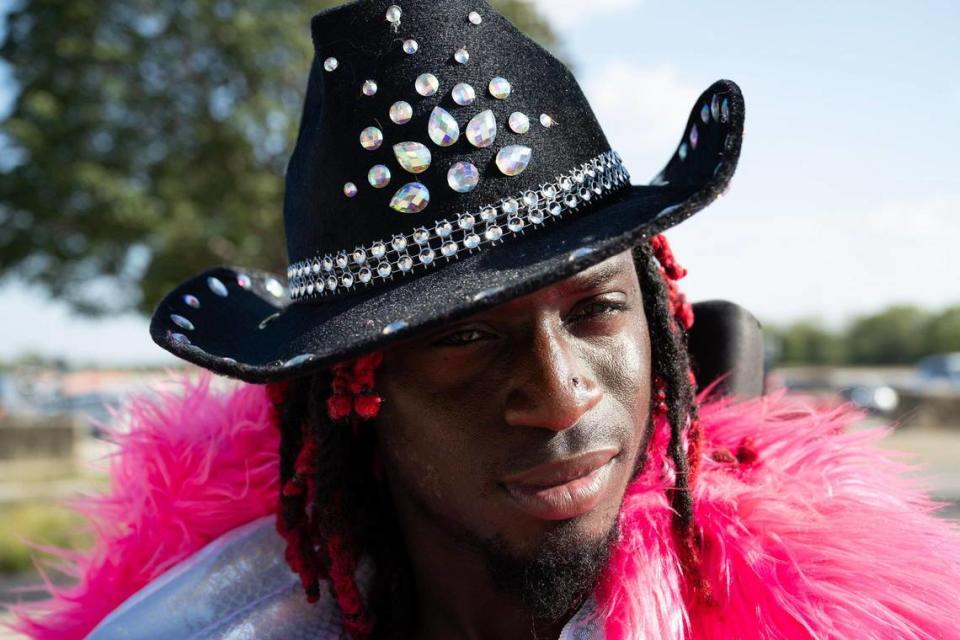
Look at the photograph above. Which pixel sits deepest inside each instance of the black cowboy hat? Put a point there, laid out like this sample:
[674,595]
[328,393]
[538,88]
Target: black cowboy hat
[445,164]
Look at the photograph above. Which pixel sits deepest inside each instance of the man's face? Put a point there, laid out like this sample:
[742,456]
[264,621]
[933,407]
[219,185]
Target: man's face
[525,421]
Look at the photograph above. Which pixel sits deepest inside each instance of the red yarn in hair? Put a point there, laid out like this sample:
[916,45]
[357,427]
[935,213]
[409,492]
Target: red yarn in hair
[671,271]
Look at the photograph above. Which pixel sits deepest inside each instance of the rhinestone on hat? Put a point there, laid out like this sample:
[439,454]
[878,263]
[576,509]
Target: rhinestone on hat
[371,138]
[379,176]
[519,122]
[410,46]
[427,85]
[500,88]
[443,128]
[217,287]
[464,95]
[463,177]
[462,56]
[413,156]
[369,88]
[393,16]
[411,198]
[547,121]
[401,112]
[514,159]
[331,64]
[350,190]
[475,18]
[482,129]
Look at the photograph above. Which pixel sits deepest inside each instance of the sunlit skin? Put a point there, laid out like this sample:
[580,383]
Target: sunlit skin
[546,377]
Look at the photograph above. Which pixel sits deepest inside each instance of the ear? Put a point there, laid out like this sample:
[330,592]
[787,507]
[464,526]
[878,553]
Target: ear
[726,344]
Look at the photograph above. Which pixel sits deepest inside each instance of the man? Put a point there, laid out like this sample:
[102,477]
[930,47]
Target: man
[481,395]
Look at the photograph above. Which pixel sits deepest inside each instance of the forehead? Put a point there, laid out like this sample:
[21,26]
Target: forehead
[618,270]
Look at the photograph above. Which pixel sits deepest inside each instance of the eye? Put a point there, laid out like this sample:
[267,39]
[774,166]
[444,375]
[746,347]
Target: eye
[461,338]
[598,309]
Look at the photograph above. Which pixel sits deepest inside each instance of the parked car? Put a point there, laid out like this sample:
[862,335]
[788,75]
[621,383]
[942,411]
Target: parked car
[940,371]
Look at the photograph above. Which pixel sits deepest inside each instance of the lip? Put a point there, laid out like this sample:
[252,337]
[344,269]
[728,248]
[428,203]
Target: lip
[563,489]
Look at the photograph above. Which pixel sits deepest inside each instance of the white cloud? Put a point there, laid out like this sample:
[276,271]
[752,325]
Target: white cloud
[642,110]
[564,13]
[829,263]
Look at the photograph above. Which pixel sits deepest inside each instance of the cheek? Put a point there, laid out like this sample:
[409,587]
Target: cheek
[427,449]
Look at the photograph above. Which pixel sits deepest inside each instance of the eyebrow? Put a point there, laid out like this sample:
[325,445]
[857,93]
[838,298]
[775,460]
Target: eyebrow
[593,278]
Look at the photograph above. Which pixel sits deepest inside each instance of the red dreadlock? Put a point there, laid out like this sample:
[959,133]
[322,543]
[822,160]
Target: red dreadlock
[352,399]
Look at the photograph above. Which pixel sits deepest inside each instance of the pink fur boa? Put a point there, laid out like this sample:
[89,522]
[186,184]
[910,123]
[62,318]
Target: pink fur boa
[820,536]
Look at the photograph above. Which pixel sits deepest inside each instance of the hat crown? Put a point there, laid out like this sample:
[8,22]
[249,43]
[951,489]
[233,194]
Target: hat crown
[418,112]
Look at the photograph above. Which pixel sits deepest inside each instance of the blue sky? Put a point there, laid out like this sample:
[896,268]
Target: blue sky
[847,198]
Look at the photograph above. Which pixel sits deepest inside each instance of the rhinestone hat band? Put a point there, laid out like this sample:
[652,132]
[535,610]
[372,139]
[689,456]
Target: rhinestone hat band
[341,273]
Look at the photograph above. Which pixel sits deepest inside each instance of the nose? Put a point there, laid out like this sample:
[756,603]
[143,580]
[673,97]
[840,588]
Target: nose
[552,387]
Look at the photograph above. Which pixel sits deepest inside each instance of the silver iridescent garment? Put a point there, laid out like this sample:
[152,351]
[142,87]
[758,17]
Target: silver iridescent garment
[239,587]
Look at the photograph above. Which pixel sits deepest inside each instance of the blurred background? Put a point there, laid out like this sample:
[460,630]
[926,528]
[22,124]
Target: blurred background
[144,141]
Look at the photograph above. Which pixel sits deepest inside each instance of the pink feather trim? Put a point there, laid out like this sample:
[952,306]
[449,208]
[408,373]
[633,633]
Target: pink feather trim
[193,465]
[821,536]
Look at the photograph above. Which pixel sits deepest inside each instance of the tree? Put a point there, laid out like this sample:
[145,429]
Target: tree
[895,336]
[149,138]
[807,342]
[942,334]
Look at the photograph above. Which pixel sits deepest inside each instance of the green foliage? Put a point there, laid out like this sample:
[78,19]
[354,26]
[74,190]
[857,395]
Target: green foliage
[150,140]
[899,335]
[807,342]
[37,524]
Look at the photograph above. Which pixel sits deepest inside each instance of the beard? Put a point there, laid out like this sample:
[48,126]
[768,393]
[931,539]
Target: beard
[557,577]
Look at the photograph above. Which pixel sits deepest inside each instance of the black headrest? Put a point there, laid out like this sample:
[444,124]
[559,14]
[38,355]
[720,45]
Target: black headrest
[726,340]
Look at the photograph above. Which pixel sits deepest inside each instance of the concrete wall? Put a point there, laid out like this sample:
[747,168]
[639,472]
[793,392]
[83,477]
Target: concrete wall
[24,438]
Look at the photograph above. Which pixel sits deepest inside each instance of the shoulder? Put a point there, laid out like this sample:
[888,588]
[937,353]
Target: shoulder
[237,584]
[810,526]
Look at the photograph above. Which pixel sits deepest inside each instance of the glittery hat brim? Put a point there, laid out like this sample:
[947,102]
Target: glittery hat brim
[256,334]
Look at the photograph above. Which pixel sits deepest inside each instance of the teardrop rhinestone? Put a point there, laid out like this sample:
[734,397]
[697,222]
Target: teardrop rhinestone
[413,156]
[393,14]
[410,46]
[331,64]
[463,177]
[475,18]
[244,281]
[371,138]
[191,301]
[725,111]
[350,190]
[514,159]
[500,88]
[462,56]
[427,85]
[482,130]
[274,288]
[715,107]
[443,128]
[181,322]
[217,287]
[401,112]
[411,198]
[705,114]
[379,176]
[519,122]
[694,137]
[369,88]
[682,151]
[464,95]
[547,121]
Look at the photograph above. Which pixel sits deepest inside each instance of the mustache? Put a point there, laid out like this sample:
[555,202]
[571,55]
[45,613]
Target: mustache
[543,445]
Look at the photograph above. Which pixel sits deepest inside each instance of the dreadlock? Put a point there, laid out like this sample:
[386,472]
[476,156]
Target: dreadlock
[334,509]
